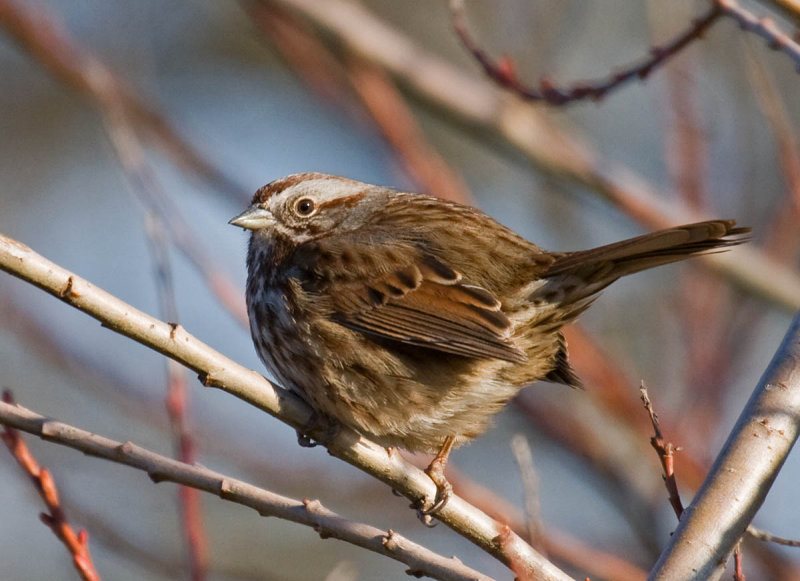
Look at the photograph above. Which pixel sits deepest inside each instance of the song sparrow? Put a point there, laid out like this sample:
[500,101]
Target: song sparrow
[413,320]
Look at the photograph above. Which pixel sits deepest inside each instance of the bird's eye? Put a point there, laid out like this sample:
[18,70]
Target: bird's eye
[305,207]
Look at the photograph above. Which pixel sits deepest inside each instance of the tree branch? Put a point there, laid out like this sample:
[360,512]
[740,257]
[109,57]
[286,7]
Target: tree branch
[76,543]
[742,475]
[502,72]
[216,370]
[308,512]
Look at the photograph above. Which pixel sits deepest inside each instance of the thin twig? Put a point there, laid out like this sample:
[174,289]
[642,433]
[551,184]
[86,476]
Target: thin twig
[503,73]
[770,538]
[307,512]
[588,442]
[530,486]
[76,543]
[666,454]
[147,190]
[738,563]
[764,27]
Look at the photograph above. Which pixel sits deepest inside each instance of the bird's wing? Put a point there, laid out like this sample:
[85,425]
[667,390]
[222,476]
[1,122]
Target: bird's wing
[419,300]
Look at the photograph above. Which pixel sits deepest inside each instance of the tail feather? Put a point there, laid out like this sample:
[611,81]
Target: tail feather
[608,263]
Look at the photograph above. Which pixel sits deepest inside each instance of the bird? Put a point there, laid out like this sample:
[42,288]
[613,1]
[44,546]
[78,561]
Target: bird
[414,320]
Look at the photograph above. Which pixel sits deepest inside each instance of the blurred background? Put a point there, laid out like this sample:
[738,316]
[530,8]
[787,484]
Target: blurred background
[131,132]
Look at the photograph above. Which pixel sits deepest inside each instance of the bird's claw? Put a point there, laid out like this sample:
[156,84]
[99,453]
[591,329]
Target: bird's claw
[423,513]
[426,509]
[306,441]
[317,423]
[444,490]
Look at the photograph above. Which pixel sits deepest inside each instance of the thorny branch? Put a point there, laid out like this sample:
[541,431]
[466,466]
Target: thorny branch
[502,72]
[666,454]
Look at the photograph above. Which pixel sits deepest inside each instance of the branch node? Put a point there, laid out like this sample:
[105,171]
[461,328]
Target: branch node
[49,429]
[226,488]
[389,542]
[157,476]
[311,505]
[125,448]
[67,292]
[207,379]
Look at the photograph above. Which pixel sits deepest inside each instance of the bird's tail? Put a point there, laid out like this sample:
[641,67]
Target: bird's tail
[573,280]
[579,275]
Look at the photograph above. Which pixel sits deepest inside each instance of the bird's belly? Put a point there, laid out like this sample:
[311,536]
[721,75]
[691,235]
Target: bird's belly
[397,395]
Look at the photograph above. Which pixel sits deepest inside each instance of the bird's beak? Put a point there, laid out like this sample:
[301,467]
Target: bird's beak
[253,218]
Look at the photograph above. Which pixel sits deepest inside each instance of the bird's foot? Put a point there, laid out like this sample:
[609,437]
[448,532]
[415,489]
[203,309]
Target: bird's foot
[444,490]
[426,509]
[325,427]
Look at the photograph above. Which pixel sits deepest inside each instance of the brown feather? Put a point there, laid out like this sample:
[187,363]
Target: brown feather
[427,305]
[649,250]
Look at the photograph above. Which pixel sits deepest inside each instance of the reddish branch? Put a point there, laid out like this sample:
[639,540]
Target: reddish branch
[189,498]
[77,543]
[738,569]
[666,453]
[502,71]
[783,234]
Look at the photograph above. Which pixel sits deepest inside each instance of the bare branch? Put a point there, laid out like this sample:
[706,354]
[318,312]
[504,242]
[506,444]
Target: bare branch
[503,73]
[530,486]
[307,512]
[742,474]
[738,560]
[666,454]
[216,370]
[764,27]
[770,538]
[76,543]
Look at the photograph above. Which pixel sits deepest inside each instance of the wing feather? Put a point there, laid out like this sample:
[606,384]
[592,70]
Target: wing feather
[420,300]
